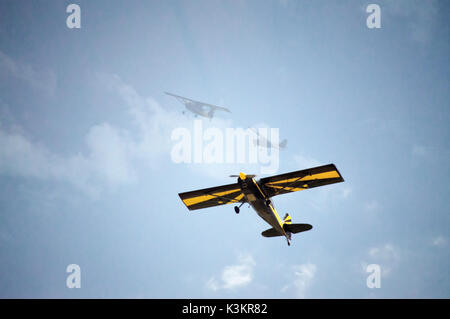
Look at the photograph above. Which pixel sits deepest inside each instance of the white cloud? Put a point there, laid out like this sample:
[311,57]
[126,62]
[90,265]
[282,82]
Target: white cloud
[439,241]
[111,151]
[371,206]
[105,162]
[234,276]
[43,80]
[328,196]
[213,284]
[154,123]
[387,256]
[345,192]
[385,252]
[302,278]
[371,212]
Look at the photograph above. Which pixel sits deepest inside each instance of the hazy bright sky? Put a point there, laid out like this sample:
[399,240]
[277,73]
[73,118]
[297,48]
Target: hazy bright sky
[86,175]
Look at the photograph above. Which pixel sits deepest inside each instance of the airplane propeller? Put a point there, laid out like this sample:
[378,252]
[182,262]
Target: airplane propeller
[244,176]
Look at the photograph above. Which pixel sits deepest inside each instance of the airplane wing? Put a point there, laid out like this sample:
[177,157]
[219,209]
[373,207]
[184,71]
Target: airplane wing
[215,107]
[185,100]
[300,180]
[213,196]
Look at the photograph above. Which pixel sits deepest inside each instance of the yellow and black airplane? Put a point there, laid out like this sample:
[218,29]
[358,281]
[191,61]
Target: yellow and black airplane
[258,194]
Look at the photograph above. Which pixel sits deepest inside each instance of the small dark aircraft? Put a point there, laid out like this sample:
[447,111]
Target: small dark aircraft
[258,194]
[260,140]
[199,108]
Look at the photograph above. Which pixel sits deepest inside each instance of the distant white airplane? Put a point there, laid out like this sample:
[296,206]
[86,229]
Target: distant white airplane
[260,140]
[199,108]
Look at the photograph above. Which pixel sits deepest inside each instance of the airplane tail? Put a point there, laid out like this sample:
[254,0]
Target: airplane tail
[288,228]
[293,228]
[287,220]
[283,143]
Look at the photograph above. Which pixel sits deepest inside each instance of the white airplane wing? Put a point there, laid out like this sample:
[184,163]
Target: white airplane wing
[185,100]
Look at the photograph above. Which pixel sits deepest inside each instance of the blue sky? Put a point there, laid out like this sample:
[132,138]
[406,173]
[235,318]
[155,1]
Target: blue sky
[86,175]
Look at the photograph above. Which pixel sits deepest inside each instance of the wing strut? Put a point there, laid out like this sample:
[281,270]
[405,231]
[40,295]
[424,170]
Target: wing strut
[288,186]
[230,200]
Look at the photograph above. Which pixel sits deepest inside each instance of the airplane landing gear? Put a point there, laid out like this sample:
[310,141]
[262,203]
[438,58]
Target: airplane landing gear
[237,208]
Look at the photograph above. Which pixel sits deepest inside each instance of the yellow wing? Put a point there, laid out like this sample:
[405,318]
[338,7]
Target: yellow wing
[300,180]
[213,196]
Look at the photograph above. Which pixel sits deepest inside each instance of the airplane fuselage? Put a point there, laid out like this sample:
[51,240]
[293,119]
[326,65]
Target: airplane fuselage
[197,109]
[261,203]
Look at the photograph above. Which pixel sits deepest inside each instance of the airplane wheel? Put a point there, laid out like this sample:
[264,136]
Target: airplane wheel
[236,209]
